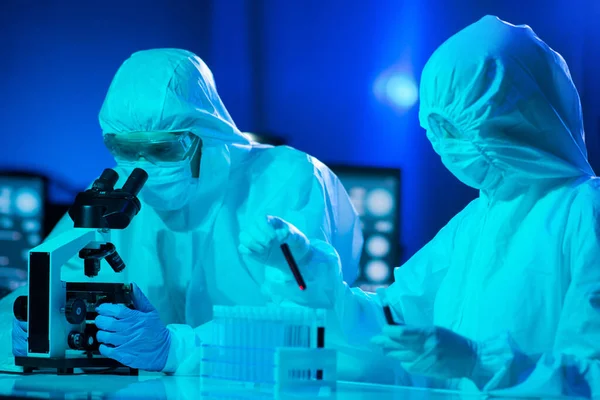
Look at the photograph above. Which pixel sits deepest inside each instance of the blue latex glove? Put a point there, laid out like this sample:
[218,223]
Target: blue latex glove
[435,352]
[136,338]
[19,338]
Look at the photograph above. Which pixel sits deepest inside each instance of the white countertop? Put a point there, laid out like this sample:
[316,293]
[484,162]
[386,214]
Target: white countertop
[156,386]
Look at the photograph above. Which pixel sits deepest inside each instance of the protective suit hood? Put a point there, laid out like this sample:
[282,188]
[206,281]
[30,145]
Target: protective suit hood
[167,90]
[172,90]
[501,109]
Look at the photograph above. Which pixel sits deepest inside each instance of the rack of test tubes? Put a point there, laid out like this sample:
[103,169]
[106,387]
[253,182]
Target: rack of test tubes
[270,347]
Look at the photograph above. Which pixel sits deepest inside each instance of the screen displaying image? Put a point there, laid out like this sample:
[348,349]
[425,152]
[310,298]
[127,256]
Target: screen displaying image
[21,226]
[375,194]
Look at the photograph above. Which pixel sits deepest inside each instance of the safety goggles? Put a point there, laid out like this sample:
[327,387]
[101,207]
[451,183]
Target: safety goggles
[167,147]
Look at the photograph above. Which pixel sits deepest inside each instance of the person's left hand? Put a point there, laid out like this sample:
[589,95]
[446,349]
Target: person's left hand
[435,352]
[135,338]
[263,239]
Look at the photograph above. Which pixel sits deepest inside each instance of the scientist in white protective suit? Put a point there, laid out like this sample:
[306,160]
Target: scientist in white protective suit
[503,299]
[208,184]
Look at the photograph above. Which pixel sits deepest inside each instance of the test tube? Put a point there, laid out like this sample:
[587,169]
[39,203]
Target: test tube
[228,359]
[248,344]
[232,351]
[220,351]
[255,352]
[285,248]
[237,345]
[266,334]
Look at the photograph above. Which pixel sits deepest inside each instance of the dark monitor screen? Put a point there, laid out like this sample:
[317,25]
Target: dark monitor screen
[375,194]
[22,199]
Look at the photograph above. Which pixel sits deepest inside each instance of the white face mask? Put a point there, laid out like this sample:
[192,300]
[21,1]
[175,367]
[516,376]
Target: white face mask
[170,186]
[461,156]
[468,164]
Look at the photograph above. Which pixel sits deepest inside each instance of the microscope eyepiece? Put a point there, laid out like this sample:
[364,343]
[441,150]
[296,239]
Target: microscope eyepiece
[135,182]
[105,207]
[106,181]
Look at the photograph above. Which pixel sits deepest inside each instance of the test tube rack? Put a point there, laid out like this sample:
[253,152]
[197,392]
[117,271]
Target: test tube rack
[271,347]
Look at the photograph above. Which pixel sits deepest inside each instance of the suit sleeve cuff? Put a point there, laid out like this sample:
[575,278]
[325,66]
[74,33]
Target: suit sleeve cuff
[183,343]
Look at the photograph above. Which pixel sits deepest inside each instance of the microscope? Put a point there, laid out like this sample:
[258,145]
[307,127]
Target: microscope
[61,333]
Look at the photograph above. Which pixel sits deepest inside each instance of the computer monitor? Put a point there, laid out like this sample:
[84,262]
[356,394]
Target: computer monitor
[22,199]
[375,194]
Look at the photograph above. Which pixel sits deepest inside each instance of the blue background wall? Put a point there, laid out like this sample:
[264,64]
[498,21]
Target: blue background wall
[303,70]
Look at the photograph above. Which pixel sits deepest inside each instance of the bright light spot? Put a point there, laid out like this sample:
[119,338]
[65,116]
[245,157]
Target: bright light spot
[31,225]
[34,240]
[397,87]
[384,226]
[377,271]
[380,202]
[402,91]
[357,192]
[357,198]
[378,246]
[28,203]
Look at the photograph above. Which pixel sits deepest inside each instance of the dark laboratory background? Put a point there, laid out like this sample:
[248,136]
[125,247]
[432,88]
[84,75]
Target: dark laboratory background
[337,79]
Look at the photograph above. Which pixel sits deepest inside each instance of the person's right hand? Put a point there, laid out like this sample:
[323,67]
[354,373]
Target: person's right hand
[19,338]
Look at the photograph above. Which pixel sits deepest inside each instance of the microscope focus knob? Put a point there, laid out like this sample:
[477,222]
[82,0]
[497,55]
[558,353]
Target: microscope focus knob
[81,341]
[75,311]
[76,341]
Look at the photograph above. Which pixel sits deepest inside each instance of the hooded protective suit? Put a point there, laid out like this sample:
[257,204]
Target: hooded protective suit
[186,261]
[516,271]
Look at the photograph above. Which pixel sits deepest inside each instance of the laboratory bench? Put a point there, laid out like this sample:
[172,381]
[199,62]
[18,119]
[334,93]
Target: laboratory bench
[156,386]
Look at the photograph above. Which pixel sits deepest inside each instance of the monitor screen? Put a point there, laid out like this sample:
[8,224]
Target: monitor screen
[22,199]
[375,194]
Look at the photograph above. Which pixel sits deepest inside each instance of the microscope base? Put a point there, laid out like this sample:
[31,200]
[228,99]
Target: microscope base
[66,366]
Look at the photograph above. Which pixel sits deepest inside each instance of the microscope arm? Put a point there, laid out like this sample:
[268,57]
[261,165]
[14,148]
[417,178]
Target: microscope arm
[46,291]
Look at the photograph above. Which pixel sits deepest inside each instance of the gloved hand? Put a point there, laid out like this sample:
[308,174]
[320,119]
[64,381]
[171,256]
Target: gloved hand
[263,239]
[434,352]
[19,338]
[135,338]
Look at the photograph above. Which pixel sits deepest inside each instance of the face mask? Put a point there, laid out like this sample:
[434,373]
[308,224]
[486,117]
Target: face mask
[169,187]
[466,162]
